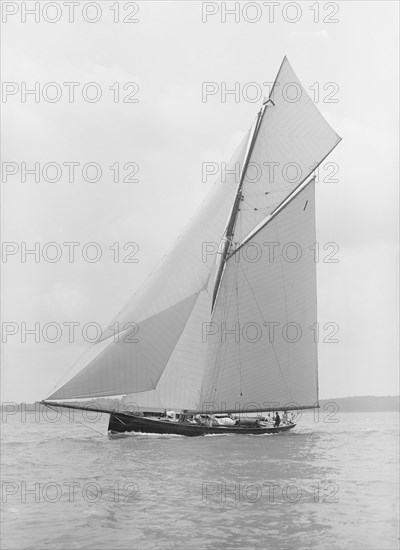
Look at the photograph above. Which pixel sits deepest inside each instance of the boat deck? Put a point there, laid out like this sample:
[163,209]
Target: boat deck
[121,423]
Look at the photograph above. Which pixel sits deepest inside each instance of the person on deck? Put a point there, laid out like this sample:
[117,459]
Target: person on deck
[284,417]
[277,420]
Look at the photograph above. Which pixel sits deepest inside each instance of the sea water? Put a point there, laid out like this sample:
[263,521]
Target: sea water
[331,483]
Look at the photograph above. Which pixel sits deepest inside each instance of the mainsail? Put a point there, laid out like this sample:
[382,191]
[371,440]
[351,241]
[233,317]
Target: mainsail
[262,348]
[216,331]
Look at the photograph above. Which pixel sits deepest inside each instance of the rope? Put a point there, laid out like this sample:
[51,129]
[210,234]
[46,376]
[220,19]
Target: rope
[240,333]
[81,423]
[262,316]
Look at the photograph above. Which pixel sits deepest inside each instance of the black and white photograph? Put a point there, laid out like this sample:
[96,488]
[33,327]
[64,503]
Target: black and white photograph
[199,275]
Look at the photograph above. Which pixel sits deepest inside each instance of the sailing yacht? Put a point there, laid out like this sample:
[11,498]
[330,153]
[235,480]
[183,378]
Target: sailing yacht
[223,325]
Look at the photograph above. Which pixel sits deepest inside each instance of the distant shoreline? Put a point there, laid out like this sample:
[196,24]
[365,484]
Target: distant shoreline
[366,403]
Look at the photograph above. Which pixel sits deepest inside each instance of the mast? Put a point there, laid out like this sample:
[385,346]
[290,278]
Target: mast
[229,232]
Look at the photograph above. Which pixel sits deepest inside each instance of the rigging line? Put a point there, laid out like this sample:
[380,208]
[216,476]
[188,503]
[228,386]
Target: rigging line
[218,360]
[286,201]
[227,349]
[183,388]
[262,316]
[212,387]
[162,403]
[251,208]
[96,431]
[237,316]
[221,366]
[77,421]
[286,307]
[230,229]
[279,189]
[242,382]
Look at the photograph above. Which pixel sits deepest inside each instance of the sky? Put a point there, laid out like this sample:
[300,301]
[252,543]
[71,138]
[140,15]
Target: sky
[153,115]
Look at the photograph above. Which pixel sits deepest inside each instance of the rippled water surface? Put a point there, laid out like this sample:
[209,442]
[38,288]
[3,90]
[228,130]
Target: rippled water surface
[326,485]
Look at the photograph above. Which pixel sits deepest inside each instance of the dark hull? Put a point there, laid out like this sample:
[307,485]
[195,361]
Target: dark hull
[123,423]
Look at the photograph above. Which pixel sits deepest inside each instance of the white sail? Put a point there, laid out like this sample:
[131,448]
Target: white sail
[185,269]
[180,383]
[135,359]
[256,345]
[161,307]
[270,282]
[292,141]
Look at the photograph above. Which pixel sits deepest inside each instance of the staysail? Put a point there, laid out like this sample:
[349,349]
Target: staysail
[180,383]
[133,354]
[230,331]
